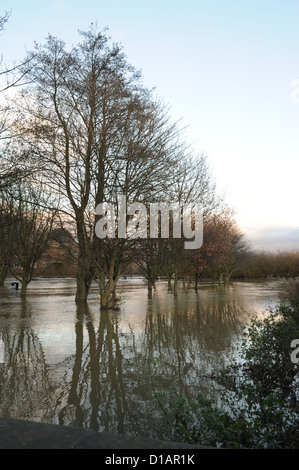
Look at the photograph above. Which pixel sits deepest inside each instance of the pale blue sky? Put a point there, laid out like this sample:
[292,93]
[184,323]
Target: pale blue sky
[226,68]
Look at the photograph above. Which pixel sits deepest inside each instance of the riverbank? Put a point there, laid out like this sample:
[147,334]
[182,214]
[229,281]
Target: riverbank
[22,434]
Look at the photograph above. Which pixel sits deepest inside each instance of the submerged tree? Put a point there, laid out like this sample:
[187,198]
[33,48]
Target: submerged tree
[191,188]
[32,216]
[96,132]
[224,249]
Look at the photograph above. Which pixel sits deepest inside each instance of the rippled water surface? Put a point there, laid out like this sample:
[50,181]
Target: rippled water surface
[71,365]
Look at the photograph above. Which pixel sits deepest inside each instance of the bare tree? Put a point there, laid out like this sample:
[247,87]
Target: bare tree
[96,132]
[190,183]
[14,74]
[11,168]
[3,20]
[224,249]
[33,215]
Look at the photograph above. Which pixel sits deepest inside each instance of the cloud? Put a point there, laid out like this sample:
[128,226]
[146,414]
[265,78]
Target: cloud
[275,238]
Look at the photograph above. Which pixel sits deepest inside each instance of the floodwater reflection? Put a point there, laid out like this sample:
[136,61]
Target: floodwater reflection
[74,365]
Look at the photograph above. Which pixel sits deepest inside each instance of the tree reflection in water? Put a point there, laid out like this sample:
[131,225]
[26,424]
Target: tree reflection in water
[95,396]
[24,381]
[114,364]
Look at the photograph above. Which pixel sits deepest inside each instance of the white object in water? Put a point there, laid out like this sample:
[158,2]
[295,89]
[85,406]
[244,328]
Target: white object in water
[14,285]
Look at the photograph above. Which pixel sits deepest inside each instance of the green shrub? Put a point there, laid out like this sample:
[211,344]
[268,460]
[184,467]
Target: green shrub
[259,391]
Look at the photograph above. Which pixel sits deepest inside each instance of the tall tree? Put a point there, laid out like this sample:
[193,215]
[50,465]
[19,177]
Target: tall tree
[97,132]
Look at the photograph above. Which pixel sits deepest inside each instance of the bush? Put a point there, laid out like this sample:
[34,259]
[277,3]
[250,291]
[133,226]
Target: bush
[259,391]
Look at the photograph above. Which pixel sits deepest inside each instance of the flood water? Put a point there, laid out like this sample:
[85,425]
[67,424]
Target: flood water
[71,365]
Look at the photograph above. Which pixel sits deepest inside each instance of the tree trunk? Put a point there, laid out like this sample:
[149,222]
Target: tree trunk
[107,290]
[83,285]
[104,300]
[3,274]
[25,283]
[108,296]
[228,274]
[84,274]
[84,279]
[175,283]
[196,279]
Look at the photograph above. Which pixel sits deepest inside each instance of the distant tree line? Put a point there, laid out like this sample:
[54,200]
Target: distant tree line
[271,264]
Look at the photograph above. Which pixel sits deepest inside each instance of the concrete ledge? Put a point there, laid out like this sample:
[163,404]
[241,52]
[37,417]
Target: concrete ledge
[21,434]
